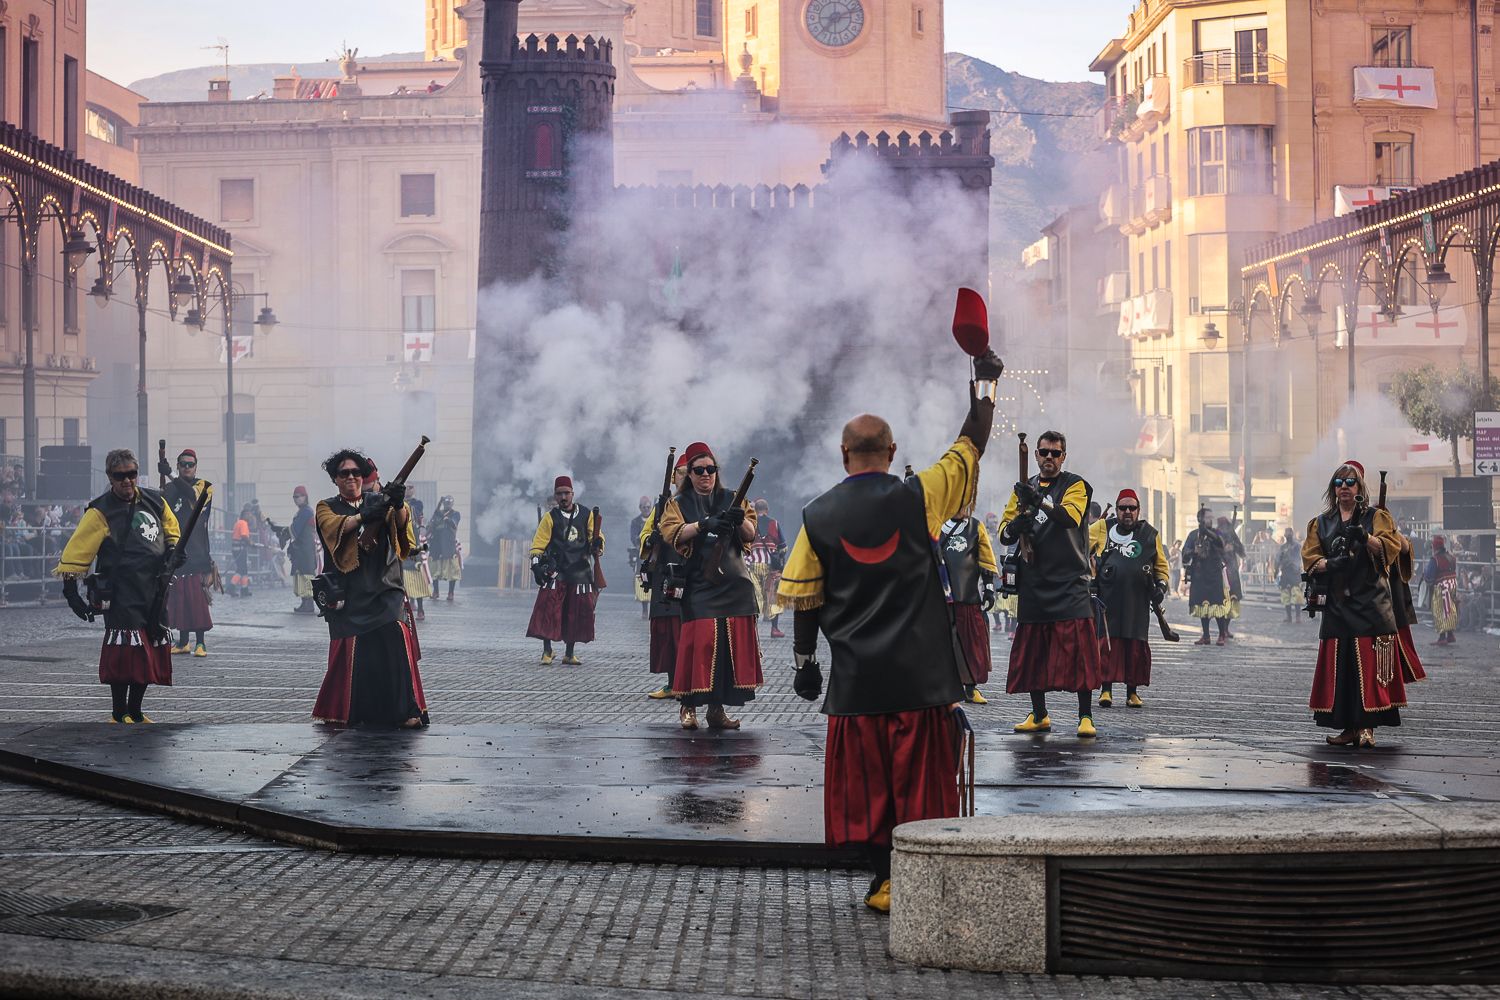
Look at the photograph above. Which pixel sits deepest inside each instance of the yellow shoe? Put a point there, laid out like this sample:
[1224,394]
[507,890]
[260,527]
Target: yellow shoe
[180,649]
[547,659]
[1105,698]
[202,650]
[1086,727]
[662,693]
[1033,726]
[880,899]
[127,719]
[976,697]
[572,661]
[1134,701]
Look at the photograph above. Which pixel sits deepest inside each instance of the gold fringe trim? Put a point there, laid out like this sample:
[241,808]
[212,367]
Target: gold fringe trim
[812,603]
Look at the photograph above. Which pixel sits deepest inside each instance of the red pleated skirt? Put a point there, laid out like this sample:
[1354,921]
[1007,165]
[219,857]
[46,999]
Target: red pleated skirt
[1054,656]
[974,639]
[187,604]
[884,770]
[1377,693]
[562,614]
[129,656]
[1126,661]
[697,648]
[664,633]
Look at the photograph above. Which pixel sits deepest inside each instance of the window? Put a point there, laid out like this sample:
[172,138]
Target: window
[1394,159]
[70,104]
[4,65]
[1155,267]
[1391,46]
[919,19]
[1211,377]
[1208,272]
[1168,380]
[1166,270]
[244,423]
[418,301]
[706,25]
[752,20]
[70,432]
[418,195]
[1231,50]
[243,317]
[31,58]
[1232,159]
[236,200]
[1140,263]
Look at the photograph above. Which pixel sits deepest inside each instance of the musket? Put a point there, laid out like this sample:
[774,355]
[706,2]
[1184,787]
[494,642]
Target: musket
[1167,632]
[599,583]
[368,539]
[539,514]
[173,563]
[713,563]
[1024,547]
[162,468]
[651,547]
[1381,503]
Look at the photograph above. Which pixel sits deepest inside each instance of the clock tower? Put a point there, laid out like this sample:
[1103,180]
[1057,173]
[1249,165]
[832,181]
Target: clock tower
[871,65]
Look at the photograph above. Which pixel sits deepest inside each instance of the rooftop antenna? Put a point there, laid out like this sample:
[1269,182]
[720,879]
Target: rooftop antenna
[223,48]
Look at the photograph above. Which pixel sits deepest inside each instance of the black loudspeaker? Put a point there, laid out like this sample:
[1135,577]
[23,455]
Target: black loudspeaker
[1468,503]
[65,472]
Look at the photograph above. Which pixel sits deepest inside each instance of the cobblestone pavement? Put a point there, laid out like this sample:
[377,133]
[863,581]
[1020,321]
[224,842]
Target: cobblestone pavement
[263,919]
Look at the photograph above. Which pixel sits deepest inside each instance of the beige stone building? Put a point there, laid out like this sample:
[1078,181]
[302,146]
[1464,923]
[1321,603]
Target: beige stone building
[1237,120]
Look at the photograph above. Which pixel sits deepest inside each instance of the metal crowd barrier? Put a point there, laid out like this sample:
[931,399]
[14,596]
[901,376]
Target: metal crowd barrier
[27,557]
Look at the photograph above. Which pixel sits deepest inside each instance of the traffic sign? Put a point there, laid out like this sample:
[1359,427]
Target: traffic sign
[1486,443]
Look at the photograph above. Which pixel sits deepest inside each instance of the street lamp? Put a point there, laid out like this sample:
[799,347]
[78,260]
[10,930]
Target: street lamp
[1210,335]
[1312,315]
[1438,283]
[76,250]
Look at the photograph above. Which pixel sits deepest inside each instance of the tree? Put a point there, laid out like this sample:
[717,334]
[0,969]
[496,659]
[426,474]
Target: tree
[1440,402]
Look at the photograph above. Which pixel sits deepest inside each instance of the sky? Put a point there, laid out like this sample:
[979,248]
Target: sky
[132,39]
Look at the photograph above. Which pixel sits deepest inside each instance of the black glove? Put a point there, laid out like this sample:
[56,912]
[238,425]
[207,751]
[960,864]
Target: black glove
[987,597]
[708,526]
[1339,564]
[1357,536]
[396,492]
[376,506]
[732,518]
[541,571]
[164,468]
[988,367]
[1158,593]
[166,561]
[597,545]
[808,680]
[75,600]
[1028,495]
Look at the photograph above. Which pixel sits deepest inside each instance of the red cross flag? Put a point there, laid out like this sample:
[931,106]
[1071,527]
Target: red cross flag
[417,346]
[1408,86]
[244,347]
[1348,199]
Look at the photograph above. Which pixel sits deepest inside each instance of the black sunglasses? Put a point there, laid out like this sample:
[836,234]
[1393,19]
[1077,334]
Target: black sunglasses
[1344,482]
[1123,508]
[705,470]
[121,477]
[1050,452]
[348,474]
[185,464]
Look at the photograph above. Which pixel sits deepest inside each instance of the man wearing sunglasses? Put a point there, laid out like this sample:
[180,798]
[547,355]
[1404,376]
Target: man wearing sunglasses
[126,535]
[1131,570]
[1056,647]
[188,600]
[561,553]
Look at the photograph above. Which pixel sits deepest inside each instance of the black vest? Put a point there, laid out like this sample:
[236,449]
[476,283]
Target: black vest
[883,613]
[961,560]
[1127,574]
[1359,598]
[181,497]
[729,596]
[1054,585]
[569,547]
[131,555]
[665,555]
[376,594]
[442,534]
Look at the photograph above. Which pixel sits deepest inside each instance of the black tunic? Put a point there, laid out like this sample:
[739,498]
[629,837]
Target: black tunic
[731,595]
[569,547]
[889,635]
[961,560]
[302,550]
[1127,575]
[130,557]
[1359,597]
[442,535]
[1053,586]
[1203,557]
[376,595]
[181,497]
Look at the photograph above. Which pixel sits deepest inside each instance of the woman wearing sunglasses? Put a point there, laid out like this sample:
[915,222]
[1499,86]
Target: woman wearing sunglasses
[1361,676]
[718,656]
[126,536]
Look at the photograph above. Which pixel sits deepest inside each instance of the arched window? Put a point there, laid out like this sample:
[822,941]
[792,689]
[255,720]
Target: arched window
[544,147]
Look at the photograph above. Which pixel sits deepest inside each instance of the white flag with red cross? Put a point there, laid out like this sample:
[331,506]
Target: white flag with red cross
[1408,86]
[244,347]
[417,346]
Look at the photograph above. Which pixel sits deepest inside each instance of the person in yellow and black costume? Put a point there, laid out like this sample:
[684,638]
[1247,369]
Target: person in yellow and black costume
[1361,676]
[1056,647]
[561,552]
[372,675]
[1131,571]
[864,571]
[718,652]
[1204,559]
[969,562]
[665,613]
[127,535]
[188,602]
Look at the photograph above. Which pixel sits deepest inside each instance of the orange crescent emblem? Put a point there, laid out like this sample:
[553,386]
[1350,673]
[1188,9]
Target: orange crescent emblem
[871,557]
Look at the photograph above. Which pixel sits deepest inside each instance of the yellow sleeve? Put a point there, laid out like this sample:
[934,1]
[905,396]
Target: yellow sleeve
[543,536]
[83,545]
[1076,502]
[1163,568]
[1011,507]
[801,587]
[340,536]
[1098,535]
[406,541]
[1390,538]
[949,485]
[671,525]
[1312,547]
[646,526]
[987,552]
[590,530]
[170,529]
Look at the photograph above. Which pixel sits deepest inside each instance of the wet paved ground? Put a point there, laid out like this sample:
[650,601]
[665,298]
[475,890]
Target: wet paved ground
[93,885]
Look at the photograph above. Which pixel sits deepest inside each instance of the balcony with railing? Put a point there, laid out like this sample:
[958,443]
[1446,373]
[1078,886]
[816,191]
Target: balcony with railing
[1147,106]
[1114,203]
[1157,207]
[1230,66]
[1231,88]
[1114,290]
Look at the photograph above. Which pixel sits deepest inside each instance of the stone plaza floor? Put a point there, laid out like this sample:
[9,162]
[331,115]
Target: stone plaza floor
[105,899]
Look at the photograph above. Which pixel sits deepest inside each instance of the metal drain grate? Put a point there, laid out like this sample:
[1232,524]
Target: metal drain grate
[80,919]
[1415,917]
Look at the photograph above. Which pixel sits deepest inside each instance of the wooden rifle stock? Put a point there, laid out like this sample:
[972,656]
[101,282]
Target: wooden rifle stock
[599,583]
[714,563]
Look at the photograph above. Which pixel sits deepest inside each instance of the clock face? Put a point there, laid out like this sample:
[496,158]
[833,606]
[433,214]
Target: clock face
[835,23]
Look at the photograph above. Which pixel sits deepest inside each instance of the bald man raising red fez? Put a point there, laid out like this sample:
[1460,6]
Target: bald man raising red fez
[1131,571]
[718,654]
[560,553]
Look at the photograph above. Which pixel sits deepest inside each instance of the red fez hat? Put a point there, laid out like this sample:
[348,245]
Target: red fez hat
[971,323]
[1437,541]
[1126,494]
[695,451]
[374,474]
[190,453]
[300,491]
[1356,467]
[682,462]
[562,483]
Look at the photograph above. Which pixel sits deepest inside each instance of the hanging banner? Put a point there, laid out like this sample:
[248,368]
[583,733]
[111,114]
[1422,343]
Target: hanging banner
[417,346]
[1417,326]
[1348,199]
[1408,86]
[244,347]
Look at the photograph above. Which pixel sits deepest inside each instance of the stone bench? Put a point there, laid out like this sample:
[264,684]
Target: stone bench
[1368,893]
